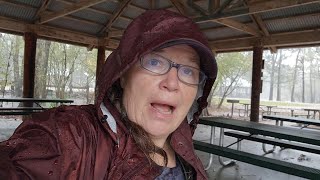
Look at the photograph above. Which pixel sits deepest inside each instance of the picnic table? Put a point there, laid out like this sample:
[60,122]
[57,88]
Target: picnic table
[25,110]
[232,101]
[292,119]
[269,108]
[246,109]
[314,112]
[279,132]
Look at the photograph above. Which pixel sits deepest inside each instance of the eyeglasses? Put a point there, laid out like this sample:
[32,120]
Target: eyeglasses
[160,65]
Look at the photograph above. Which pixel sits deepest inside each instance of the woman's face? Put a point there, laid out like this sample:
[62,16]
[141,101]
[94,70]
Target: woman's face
[159,103]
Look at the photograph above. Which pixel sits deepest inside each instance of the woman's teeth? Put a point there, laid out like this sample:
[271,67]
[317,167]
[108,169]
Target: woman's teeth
[162,108]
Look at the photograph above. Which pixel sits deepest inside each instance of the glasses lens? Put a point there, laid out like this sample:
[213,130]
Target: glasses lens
[190,75]
[155,63]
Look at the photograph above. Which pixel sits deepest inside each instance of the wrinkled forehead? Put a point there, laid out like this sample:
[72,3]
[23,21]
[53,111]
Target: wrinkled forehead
[180,50]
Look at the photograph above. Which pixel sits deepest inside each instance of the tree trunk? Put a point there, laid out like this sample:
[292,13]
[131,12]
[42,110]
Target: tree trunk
[294,77]
[311,83]
[47,45]
[16,70]
[303,81]
[274,58]
[279,77]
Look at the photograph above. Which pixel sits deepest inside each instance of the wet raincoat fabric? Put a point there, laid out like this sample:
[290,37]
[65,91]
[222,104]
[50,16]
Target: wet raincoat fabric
[91,141]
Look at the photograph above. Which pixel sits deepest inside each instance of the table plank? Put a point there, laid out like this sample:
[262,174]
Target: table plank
[299,135]
[293,119]
[35,100]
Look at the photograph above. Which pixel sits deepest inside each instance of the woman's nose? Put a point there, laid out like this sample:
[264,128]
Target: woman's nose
[171,80]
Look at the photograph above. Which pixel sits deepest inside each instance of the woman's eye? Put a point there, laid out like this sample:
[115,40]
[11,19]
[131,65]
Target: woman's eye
[188,71]
[154,62]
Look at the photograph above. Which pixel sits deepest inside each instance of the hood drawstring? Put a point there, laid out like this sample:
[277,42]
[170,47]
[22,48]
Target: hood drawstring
[107,117]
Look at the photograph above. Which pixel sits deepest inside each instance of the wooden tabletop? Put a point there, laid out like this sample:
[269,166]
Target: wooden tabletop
[35,100]
[293,119]
[289,133]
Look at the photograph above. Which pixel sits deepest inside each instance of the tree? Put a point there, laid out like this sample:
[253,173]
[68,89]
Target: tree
[281,57]
[42,59]
[274,59]
[17,63]
[232,68]
[295,76]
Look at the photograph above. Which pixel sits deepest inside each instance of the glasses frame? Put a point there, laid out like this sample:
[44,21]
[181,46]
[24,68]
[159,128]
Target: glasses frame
[177,66]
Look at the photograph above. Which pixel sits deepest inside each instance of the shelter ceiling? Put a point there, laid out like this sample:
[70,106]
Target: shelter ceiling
[230,25]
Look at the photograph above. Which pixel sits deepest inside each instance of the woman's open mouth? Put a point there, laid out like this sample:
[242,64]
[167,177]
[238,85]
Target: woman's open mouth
[163,108]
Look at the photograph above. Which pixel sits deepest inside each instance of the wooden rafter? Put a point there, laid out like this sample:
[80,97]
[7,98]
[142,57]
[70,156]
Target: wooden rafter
[268,21]
[69,17]
[283,39]
[259,22]
[97,10]
[179,6]
[116,14]
[152,4]
[239,26]
[213,5]
[223,6]
[257,19]
[42,8]
[276,4]
[197,8]
[257,7]
[47,32]
[116,33]
[76,7]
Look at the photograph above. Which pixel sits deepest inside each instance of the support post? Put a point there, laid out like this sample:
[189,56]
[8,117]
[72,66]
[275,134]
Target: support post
[100,60]
[256,83]
[30,47]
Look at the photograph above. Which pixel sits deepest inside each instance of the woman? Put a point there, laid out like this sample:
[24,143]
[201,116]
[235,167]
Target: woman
[151,91]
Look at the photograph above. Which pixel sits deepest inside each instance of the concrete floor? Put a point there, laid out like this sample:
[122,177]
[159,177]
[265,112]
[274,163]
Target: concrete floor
[244,171]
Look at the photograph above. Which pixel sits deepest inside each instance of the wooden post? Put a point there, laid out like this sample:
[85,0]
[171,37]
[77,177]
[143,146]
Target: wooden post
[256,83]
[30,46]
[100,60]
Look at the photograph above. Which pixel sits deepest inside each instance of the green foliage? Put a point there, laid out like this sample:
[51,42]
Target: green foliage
[232,67]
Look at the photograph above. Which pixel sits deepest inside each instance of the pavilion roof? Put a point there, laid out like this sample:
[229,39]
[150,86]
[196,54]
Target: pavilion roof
[230,25]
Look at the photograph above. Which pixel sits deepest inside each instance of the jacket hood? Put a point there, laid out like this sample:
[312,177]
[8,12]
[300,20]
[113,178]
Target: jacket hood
[152,30]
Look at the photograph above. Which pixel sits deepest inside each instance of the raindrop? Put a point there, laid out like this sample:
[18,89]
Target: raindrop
[50,173]
[55,162]
[7,144]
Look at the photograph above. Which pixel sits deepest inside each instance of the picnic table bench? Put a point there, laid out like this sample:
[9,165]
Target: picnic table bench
[310,140]
[274,164]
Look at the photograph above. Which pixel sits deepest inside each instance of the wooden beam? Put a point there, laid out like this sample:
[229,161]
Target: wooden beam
[42,8]
[239,26]
[197,8]
[283,39]
[98,10]
[267,5]
[116,14]
[152,4]
[257,19]
[116,33]
[259,22]
[265,21]
[213,5]
[179,6]
[257,7]
[225,4]
[76,7]
[47,32]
